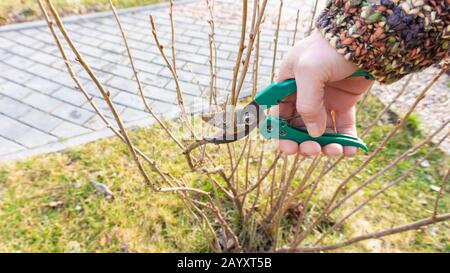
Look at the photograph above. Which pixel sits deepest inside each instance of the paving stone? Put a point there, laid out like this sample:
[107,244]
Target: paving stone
[228,47]
[12,129]
[88,40]
[225,64]
[154,80]
[16,75]
[70,95]
[4,55]
[17,61]
[63,78]
[44,58]
[9,147]
[136,38]
[4,66]
[164,109]
[42,102]
[227,39]
[104,107]
[40,120]
[29,41]
[12,108]
[197,34]
[95,123]
[74,114]
[34,138]
[14,90]
[220,53]
[144,56]
[193,58]
[187,48]
[130,100]
[130,115]
[88,49]
[68,130]
[148,66]
[23,134]
[74,27]
[19,49]
[123,84]
[186,87]
[121,70]
[42,85]
[4,42]
[45,70]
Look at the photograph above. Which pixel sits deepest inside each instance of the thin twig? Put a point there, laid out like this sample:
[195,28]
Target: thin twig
[387,107]
[392,164]
[212,54]
[440,193]
[277,34]
[172,70]
[250,49]
[172,36]
[384,189]
[103,91]
[297,18]
[255,73]
[138,81]
[420,97]
[313,16]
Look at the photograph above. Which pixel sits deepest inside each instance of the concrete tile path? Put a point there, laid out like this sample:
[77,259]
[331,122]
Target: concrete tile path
[41,111]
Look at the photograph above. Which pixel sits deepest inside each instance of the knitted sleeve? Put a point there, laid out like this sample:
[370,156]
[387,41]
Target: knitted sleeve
[388,38]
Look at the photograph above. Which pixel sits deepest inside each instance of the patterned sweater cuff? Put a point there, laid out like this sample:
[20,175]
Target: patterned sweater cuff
[388,38]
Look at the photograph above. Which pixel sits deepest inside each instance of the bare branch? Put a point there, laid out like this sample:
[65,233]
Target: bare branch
[275,48]
[296,27]
[440,193]
[313,17]
[388,106]
[240,52]
[375,235]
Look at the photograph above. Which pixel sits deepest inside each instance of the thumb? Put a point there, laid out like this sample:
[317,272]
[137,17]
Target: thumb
[310,98]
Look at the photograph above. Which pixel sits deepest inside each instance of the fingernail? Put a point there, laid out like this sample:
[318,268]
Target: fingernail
[313,129]
[350,151]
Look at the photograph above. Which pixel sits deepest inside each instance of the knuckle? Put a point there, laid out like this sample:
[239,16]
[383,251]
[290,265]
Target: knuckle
[308,63]
[307,109]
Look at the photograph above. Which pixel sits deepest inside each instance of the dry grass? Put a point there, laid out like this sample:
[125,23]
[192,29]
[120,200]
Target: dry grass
[138,219]
[15,11]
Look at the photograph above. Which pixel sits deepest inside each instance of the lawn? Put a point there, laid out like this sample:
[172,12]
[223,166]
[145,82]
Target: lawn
[49,203]
[15,11]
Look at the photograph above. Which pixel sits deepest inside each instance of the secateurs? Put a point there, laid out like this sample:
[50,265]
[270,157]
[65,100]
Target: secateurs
[241,122]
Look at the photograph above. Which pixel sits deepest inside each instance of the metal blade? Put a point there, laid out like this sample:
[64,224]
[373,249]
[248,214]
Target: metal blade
[235,124]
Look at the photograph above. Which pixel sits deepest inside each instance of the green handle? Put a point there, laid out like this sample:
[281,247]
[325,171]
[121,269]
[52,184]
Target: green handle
[277,91]
[277,128]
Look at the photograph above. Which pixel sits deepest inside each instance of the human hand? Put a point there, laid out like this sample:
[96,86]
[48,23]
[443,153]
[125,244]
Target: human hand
[325,97]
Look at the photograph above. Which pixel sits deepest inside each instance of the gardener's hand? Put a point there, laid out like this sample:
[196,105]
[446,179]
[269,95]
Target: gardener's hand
[323,87]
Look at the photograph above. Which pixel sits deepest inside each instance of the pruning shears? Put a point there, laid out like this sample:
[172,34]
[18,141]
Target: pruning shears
[243,121]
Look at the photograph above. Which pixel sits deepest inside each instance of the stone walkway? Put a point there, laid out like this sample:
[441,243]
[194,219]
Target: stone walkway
[41,111]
